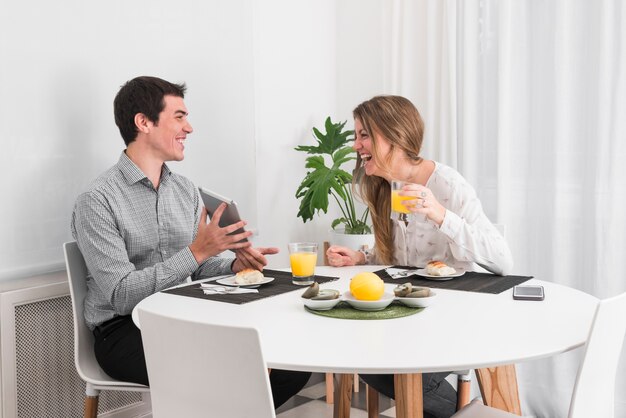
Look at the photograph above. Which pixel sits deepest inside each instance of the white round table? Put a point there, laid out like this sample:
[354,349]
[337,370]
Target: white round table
[460,330]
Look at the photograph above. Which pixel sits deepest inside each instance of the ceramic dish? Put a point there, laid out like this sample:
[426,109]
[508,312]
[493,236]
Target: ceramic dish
[321,305]
[230,281]
[422,272]
[418,302]
[369,305]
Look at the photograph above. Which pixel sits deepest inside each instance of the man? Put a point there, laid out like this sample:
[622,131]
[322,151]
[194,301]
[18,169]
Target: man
[141,229]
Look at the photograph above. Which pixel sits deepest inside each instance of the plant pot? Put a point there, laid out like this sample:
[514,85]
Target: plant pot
[352,241]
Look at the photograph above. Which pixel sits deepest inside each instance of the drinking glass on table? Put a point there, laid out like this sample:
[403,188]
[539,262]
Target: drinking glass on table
[303,257]
[398,210]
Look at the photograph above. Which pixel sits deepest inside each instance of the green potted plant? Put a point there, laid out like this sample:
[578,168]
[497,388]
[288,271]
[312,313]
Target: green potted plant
[322,180]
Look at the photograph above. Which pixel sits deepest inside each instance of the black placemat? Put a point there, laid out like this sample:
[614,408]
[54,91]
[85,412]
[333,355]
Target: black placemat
[281,284]
[471,281]
[343,310]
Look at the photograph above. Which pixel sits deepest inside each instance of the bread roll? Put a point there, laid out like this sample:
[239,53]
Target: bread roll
[439,268]
[248,276]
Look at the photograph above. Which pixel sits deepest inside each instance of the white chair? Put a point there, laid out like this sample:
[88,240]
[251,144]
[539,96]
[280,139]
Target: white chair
[199,369]
[594,391]
[86,364]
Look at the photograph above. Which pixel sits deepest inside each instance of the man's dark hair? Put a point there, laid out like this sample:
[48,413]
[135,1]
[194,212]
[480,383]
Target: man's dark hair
[142,95]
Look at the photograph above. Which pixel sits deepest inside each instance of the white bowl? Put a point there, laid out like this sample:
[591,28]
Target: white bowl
[419,302]
[369,305]
[321,305]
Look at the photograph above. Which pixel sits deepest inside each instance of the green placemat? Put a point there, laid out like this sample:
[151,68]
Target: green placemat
[344,311]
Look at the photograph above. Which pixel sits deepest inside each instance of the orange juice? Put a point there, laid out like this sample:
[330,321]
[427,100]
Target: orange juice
[396,202]
[303,256]
[303,264]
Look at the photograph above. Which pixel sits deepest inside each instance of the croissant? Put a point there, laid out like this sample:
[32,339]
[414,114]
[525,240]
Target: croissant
[439,268]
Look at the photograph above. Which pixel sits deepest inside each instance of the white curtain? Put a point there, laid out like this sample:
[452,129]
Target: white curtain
[420,63]
[527,98]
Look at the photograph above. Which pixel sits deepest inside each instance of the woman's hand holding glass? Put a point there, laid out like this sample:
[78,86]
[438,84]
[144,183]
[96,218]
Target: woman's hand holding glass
[339,256]
[424,202]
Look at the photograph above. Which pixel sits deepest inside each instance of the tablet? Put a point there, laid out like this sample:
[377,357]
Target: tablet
[230,215]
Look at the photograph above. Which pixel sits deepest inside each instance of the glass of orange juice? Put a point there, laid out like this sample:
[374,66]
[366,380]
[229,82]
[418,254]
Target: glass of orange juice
[303,257]
[396,200]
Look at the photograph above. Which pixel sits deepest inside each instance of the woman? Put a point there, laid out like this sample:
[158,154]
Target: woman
[445,222]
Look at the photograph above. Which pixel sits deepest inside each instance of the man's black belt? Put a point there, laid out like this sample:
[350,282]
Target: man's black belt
[111,323]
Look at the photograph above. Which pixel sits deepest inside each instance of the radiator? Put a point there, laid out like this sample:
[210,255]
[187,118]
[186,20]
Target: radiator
[38,378]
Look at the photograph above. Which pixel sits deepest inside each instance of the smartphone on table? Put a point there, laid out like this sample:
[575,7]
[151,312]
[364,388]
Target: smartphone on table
[528,292]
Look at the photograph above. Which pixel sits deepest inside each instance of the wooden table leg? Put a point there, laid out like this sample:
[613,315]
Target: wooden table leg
[330,388]
[372,402]
[409,400]
[498,386]
[343,395]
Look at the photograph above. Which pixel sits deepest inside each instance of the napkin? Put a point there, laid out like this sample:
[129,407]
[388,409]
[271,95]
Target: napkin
[212,289]
[396,273]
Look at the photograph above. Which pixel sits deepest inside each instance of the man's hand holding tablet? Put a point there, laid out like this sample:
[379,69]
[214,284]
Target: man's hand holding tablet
[212,239]
[212,202]
[225,217]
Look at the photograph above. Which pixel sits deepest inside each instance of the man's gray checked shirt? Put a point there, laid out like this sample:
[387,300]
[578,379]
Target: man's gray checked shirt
[135,238]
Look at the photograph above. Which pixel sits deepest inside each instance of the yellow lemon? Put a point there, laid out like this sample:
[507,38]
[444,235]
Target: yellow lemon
[367,286]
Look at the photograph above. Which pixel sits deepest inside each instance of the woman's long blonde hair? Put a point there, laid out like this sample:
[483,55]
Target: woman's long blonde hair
[396,119]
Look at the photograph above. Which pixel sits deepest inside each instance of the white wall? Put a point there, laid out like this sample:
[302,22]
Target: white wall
[63,62]
[294,90]
[260,75]
[313,59]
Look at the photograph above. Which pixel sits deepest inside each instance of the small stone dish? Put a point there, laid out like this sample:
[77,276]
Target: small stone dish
[321,305]
[420,302]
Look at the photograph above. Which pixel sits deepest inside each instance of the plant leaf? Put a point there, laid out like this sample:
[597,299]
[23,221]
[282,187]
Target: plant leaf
[338,221]
[322,180]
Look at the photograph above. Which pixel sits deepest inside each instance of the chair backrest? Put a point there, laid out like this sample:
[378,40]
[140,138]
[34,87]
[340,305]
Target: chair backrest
[84,357]
[594,391]
[197,369]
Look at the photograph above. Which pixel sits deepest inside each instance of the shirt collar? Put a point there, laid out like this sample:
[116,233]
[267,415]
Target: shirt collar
[133,174]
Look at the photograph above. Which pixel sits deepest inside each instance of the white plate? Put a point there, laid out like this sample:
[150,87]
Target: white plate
[418,302]
[422,272]
[230,281]
[369,305]
[321,305]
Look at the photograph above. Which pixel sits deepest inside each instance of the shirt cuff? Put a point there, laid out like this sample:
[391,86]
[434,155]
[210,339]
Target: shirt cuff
[369,255]
[184,261]
[451,225]
[227,264]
